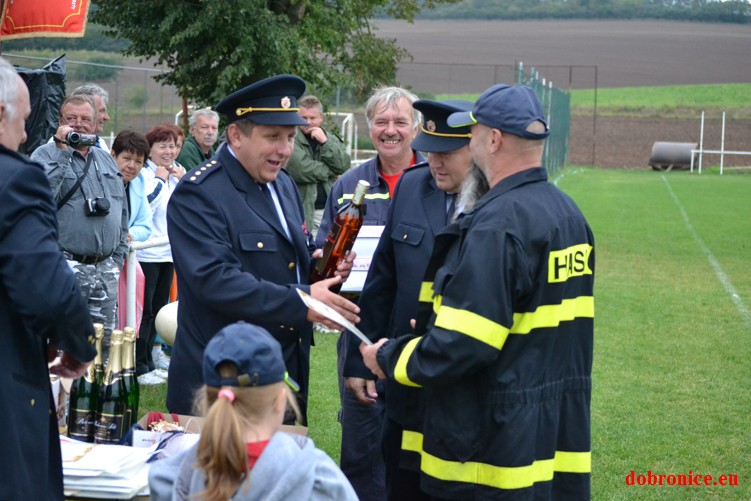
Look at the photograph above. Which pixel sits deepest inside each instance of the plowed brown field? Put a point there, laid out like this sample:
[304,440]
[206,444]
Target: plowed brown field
[469,56]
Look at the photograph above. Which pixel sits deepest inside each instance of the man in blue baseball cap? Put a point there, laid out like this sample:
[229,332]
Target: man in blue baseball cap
[240,244]
[502,348]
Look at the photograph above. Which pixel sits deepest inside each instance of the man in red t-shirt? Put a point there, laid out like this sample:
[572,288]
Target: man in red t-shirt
[393,124]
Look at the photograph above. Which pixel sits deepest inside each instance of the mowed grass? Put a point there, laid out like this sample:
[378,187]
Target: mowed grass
[671,378]
[671,100]
[663,101]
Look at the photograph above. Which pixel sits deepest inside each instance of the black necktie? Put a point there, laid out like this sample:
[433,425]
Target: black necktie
[266,193]
[452,206]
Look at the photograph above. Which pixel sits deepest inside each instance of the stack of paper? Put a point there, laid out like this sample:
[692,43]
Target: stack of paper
[103,471]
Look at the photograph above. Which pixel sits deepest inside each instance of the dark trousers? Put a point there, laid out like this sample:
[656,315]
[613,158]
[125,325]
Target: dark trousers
[297,360]
[361,459]
[401,484]
[158,281]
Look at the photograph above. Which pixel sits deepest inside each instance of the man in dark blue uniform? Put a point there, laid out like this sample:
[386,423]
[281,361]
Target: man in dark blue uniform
[503,343]
[41,311]
[392,124]
[422,205]
[239,243]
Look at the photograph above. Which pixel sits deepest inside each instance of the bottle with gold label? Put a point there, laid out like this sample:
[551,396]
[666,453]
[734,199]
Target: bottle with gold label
[99,359]
[113,399]
[84,397]
[83,406]
[129,375]
[341,236]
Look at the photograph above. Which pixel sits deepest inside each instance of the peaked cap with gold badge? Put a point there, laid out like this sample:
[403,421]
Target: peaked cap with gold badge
[435,135]
[271,101]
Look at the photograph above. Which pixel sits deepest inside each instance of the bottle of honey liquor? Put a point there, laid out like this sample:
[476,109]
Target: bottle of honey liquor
[341,236]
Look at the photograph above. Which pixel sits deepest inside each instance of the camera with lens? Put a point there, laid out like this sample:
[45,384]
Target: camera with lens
[77,139]
[96,207]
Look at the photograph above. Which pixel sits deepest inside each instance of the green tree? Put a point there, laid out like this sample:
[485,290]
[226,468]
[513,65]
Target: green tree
[213,47]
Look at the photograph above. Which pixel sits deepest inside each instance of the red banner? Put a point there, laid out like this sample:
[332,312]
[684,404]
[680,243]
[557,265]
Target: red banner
[43,18]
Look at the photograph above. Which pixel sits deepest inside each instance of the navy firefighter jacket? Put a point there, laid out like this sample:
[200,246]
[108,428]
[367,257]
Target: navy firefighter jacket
[504,349]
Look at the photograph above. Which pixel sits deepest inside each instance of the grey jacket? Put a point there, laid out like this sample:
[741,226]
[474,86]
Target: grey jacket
[290,467]
[79,234]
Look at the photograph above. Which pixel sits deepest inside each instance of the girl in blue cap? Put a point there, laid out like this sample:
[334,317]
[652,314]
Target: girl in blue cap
[241,454]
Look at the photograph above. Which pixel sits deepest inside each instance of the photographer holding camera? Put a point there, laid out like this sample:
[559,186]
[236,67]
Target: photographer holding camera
[92,210]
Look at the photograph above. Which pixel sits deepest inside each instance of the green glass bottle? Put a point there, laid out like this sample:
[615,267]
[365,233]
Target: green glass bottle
[99,359]
[129,374]
[83,405]
[113,399]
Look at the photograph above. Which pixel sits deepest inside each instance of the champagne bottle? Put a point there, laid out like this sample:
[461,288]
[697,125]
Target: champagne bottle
[341,236]
[99,359]
[129,375]
[83,405]
[113,399]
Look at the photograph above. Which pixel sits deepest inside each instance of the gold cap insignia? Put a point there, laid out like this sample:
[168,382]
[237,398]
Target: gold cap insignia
[286,102]
[430,125]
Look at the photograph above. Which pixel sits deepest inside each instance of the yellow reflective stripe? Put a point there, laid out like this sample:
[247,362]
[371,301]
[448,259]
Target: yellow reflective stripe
[495,334]
[573,462]
[400,371]
[426,292]
[551,315]
[412,441]
[368,196]
[499,477]
[472,325]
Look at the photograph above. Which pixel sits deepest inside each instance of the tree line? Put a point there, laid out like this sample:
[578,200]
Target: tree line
[733,11]
[212,47]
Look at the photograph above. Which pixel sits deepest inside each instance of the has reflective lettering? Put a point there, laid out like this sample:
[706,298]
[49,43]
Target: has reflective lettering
[570,262]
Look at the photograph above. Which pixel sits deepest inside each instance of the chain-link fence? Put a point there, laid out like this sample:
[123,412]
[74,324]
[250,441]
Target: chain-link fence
[557,106]
[430,80]
[137,101]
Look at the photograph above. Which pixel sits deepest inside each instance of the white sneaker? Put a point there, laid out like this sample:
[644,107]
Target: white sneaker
[161,361]
[150,379]
[161,373]
[325,330]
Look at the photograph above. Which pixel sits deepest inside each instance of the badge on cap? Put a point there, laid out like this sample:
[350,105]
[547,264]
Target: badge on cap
[286,102]
[430,125]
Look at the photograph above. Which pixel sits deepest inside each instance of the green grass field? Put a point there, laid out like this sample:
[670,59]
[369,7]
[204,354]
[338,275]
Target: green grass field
[672,385]
[664,101]
[672,327]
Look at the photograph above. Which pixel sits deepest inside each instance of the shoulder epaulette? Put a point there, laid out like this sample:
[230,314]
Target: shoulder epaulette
[202,171]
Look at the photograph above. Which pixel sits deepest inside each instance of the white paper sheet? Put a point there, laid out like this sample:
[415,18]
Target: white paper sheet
[332,315]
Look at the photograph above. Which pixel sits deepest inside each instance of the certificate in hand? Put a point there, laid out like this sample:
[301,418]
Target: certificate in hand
[331,314]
